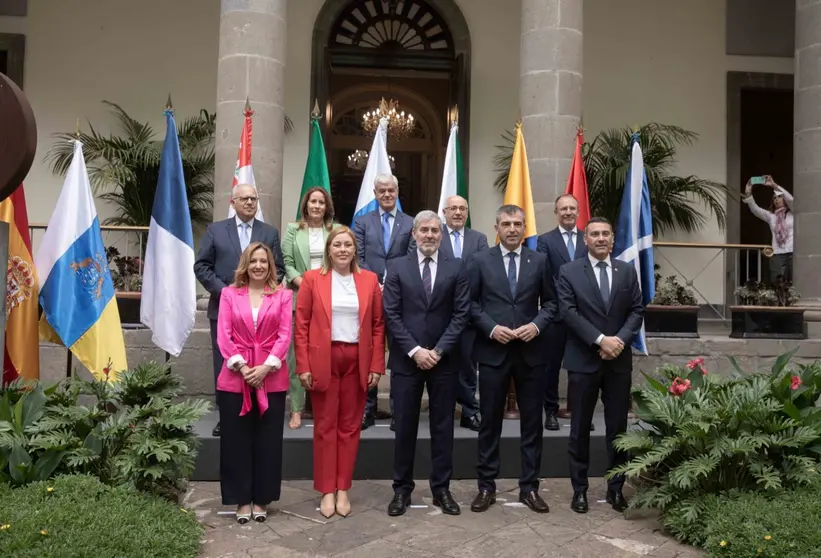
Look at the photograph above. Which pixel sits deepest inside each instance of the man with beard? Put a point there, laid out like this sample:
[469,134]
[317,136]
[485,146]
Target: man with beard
[426,304]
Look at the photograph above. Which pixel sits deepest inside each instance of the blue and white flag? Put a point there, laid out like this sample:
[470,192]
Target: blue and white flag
[634,232]
[169,295]
[378,163]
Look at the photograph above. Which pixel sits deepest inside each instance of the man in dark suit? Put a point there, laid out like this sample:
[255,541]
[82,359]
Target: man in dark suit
[512,302]
[426,306]
[600,301]
[461,242]
[561,245]
[382,236]
[219,253]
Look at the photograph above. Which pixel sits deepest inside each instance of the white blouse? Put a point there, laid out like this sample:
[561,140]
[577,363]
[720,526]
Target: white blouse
[316,243]
[344,309]
[769,218]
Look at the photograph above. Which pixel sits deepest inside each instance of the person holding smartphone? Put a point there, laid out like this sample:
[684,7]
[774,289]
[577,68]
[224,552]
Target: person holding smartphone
[781,220]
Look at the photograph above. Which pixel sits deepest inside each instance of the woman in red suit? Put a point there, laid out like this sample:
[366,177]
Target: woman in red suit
[254,333]
[339,339]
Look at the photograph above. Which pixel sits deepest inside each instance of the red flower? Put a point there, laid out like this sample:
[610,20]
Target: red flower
[679,386]
[796,381]
[697,362]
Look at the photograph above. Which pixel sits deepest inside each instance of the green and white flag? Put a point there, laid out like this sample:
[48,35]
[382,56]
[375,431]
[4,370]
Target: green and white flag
[453,177]
[316,167]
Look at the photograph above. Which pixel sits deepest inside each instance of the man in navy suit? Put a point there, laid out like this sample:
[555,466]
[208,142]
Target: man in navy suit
[512,303]
[458,241]
[426,305]
[382,236]
[600,301]
[219,253]
[561,245]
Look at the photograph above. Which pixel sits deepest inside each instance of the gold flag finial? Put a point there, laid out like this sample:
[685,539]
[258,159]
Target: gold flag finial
[247,104]
[77,129]
[315,113]
[168,104]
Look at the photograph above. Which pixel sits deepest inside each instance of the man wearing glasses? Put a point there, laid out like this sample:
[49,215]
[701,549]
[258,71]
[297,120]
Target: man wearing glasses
[458,241]
[219,253]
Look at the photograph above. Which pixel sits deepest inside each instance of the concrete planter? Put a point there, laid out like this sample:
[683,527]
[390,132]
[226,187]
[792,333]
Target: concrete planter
[768,322]
[671,321]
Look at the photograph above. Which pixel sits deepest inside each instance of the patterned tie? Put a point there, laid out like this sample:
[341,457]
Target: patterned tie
[511,273]
[604,285]
[427,282]
[457,245]
[386,231]
[570,248]
[245,239]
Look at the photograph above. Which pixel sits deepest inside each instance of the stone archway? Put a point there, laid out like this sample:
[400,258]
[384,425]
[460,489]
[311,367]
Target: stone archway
[416,51]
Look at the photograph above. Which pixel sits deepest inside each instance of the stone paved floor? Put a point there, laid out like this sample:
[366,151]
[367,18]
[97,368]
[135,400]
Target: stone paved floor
[296,530]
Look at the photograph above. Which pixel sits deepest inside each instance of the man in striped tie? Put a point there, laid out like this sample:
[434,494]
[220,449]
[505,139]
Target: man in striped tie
[426,305]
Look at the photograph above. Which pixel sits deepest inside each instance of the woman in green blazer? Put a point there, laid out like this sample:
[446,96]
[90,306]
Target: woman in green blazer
[303,246]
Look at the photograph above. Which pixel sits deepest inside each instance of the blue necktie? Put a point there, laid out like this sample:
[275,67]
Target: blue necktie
[511,273]
[570,248]
[386,231]
[426,277]
[457,245]
[245,240]
[604,284]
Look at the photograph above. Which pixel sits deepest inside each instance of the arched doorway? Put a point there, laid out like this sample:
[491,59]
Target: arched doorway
[416,52]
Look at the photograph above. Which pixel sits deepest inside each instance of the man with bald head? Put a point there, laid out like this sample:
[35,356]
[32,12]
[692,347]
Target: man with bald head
[460,242]
[219,253]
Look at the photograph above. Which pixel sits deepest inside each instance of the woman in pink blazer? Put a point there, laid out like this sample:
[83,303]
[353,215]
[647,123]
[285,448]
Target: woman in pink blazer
[254,333]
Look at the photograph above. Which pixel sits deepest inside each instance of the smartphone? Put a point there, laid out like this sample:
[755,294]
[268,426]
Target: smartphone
[758,180]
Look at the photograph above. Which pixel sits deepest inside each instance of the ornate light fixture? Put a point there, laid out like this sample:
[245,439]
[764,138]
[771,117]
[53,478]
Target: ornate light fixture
[358,160]
[400,124]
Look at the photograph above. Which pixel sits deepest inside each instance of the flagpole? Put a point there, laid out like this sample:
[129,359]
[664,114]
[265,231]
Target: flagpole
[69,356]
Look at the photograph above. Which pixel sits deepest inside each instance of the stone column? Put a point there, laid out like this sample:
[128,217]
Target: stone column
[550,96]
[251,65]
[807,158]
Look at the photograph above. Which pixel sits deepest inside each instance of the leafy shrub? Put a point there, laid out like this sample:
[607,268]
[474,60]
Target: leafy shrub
[129,431]
[78,516]
[702,435]
[781,293]
[670,293]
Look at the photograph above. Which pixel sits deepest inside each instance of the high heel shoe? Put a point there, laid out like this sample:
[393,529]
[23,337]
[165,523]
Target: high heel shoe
[260,517]
[343,509]
[243,518]
[327,512]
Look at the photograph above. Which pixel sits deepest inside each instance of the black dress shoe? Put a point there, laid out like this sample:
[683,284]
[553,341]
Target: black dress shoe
[483,501]
[533,501]
[367,422]
[616,499]
[445,501]
[399,504]
[216,431]
[393,425]
[579,503]
[551,423]
[471,423]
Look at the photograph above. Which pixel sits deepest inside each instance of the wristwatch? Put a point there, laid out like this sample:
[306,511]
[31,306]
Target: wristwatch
[438,351]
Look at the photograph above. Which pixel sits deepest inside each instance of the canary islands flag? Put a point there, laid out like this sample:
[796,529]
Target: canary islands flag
[76,293]
[518,191]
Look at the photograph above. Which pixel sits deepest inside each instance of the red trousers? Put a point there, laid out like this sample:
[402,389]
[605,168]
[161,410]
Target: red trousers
[338,421]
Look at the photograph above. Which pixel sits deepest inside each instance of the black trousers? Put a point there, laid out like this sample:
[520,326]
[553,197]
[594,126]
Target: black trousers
[556,342]
[466,371]
[216,355]
[251,450]
[493,387]
[407,385]
[584,390]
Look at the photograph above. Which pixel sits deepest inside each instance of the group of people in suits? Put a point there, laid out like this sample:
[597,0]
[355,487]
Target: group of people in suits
[447,304]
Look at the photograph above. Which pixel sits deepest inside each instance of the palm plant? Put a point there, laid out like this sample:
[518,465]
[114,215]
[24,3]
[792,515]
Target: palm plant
[125,169]
[677,200]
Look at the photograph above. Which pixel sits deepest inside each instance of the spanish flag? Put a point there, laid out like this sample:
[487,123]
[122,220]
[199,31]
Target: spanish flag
[22,354]
[518,191]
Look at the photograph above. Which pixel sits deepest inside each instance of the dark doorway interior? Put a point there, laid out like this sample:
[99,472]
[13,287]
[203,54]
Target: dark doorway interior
[4,62]
[766,148]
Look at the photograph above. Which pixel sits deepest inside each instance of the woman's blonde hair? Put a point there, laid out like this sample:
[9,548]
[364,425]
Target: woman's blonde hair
[241,278]
[326,258]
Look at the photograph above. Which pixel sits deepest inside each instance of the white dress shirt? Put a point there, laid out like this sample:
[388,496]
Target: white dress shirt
[597,272]
[518,264]
[452,239]
[433,266]
[391,221]
[574,239]
[344,309]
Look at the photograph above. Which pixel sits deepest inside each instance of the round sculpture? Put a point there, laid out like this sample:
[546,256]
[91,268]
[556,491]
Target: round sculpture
[18,136]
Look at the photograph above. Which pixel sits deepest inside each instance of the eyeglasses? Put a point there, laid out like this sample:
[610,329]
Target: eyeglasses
[247,199]
[461,208]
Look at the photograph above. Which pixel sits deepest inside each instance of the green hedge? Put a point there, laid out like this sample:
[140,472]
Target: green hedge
[78,516]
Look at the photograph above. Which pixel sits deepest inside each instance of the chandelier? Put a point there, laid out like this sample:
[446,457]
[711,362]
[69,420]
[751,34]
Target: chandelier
[400,124]
[358,160]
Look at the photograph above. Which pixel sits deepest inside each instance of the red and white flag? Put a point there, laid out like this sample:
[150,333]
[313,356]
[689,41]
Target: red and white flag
[244,173]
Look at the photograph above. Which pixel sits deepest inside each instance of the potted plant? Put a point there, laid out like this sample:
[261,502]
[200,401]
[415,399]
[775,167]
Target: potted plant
[126,274]
[767,312]
[673,312]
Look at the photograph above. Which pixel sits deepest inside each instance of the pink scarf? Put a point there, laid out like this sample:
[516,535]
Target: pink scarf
[781,226]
